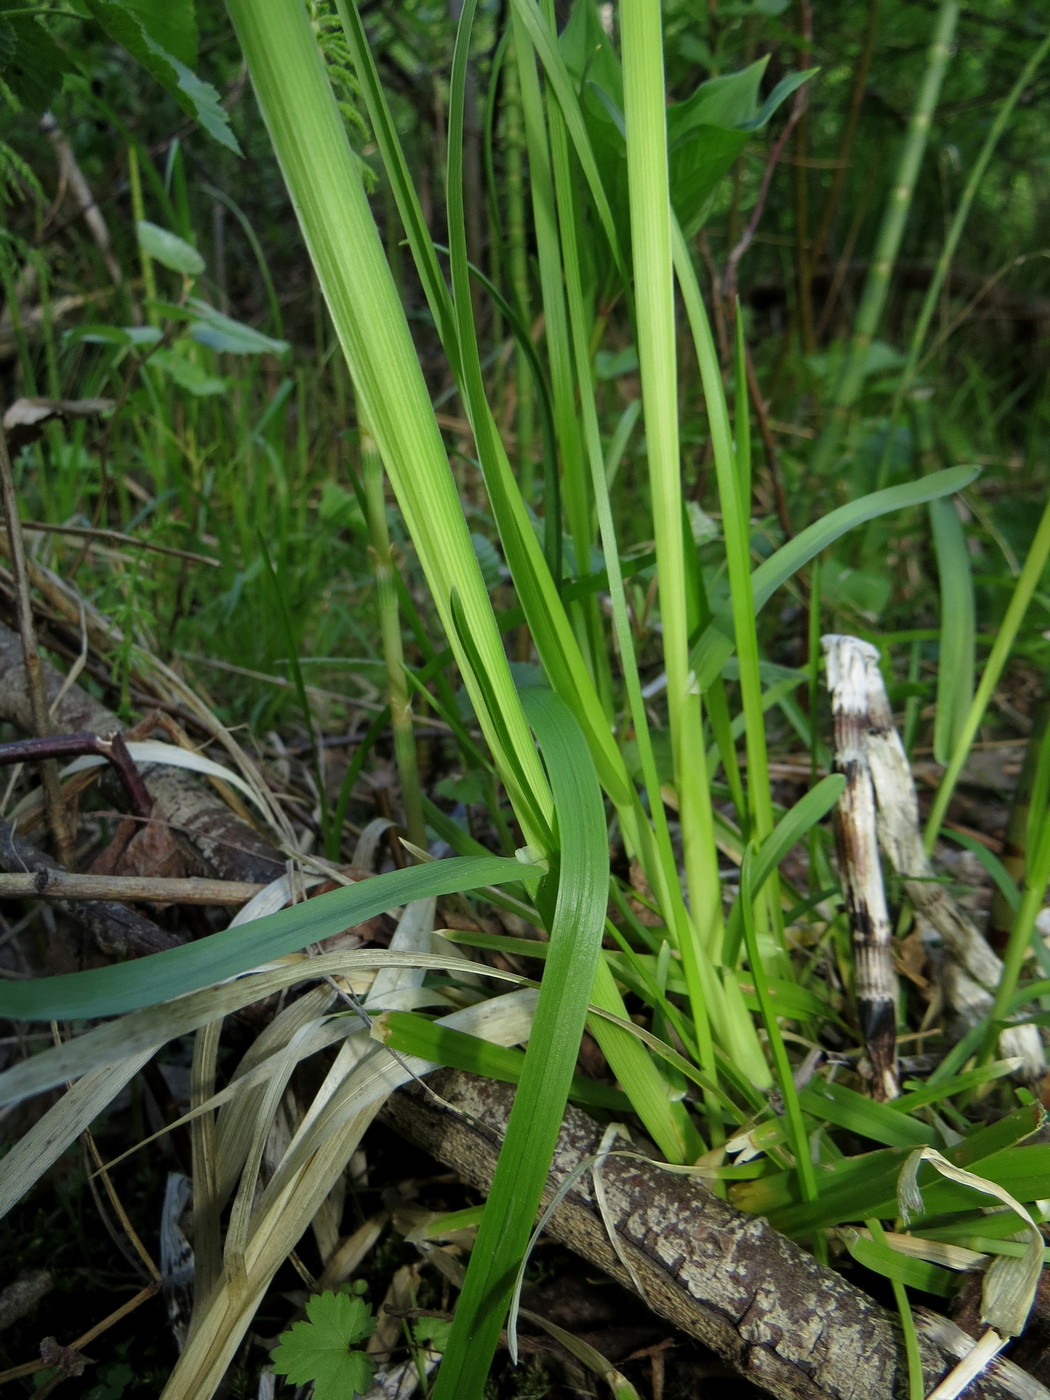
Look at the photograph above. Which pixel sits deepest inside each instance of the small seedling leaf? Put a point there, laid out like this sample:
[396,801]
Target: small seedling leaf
[320,1350]
[169,249]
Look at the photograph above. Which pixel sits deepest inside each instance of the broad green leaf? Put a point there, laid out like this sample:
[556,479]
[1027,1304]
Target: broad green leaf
[198,99]
[891,1263]
[31,63]
[319,1350]
[115,335]
[169,249]
[189,375]
[107,990]
[222,333]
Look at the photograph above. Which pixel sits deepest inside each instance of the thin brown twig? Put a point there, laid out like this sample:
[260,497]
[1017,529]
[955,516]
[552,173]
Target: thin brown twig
[131,889]
[732,262]
[57,813]
[32,1367]
[113,748]
[119,538]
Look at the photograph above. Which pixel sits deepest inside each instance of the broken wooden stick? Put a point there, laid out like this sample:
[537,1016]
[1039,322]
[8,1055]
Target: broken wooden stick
[975,970]
[851,664]
[770,1310]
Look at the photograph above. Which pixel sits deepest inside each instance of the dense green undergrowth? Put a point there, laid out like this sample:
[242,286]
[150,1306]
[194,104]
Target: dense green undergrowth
[674,352]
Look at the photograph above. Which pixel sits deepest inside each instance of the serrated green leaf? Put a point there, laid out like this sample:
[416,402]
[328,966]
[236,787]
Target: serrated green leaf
[320,1350]
[171,24]
[196,97]
[202,101]
[32,64]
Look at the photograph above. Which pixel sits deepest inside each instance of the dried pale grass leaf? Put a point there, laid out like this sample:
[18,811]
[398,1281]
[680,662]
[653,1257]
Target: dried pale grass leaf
[61,1125]
[286,1207]
[155,1025]
[948,1256]
[1011,1282]
[171,755]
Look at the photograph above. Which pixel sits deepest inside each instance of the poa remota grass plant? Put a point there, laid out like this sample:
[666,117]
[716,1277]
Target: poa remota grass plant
[616,196]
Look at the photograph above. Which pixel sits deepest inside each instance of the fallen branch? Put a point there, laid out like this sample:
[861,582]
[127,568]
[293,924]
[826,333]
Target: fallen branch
[117,931]
[221,843]
[788,1324]
[49,883]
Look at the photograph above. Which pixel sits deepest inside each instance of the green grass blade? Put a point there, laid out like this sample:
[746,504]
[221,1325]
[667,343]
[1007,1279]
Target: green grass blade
[412,1034]
[325,184]
[716,645]
[957,661]
[796,1128]
[791,828]
[1005,637]
[576,934]
[892,1264]
[395,165]
[105,991]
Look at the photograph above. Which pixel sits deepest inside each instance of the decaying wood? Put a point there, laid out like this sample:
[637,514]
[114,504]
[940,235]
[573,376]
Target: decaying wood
[974,971]
[215,840]
[790,1325]
[116,930]
[850,664]
[50,883]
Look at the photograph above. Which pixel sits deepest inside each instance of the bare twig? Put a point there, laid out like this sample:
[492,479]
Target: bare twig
[117,537]
[732,262]
[117,931]
[32,1367]
[112,748]
[72,175]
[57,812]
[44,883]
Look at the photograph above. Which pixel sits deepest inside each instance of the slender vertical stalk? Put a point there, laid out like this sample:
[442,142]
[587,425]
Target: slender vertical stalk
[876,288]
[544,133]
[393,651]
[844,153]
[1005,637]
[800,144]
[951,242]
[149,285]
[518,266]
[647,173]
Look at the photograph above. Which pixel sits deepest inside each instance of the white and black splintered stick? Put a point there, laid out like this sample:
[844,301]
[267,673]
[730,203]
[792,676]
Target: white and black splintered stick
[973,970]
[853,669]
